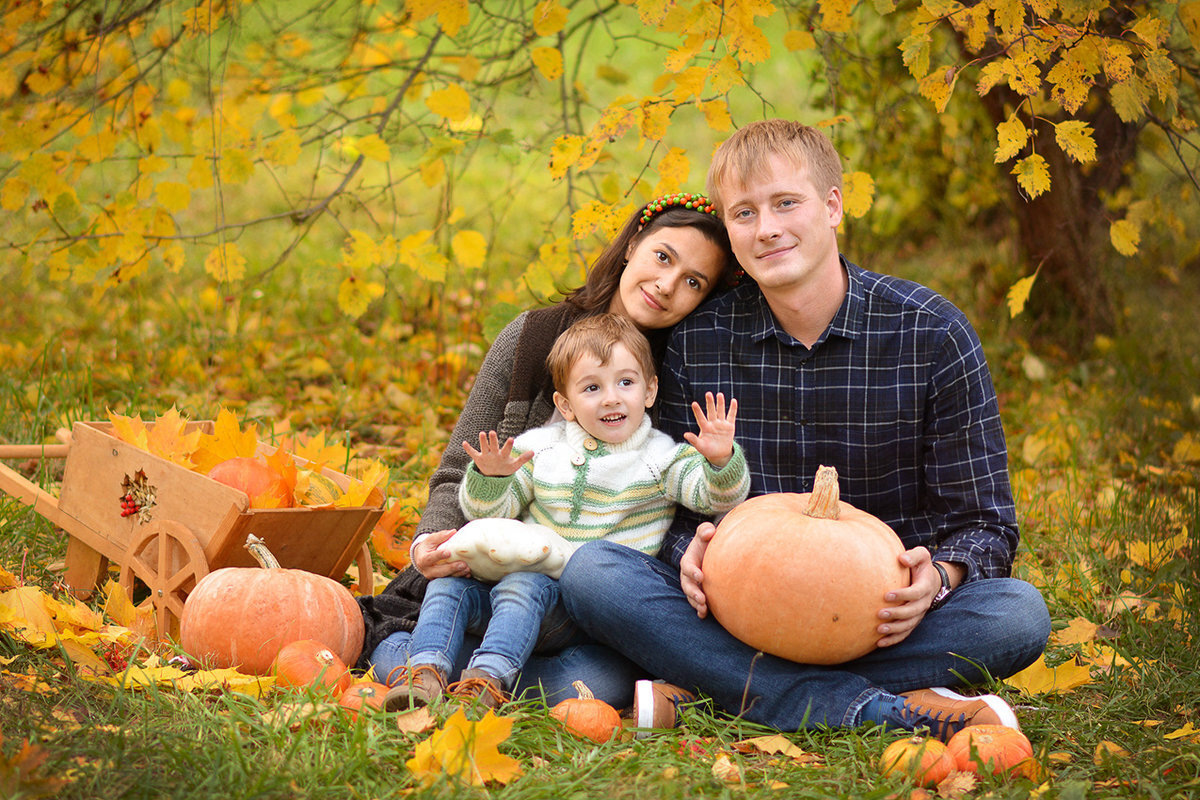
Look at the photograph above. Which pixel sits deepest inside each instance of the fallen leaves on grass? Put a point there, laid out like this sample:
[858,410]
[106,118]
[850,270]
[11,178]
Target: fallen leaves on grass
[1040,678]
[20,774]
[466,751]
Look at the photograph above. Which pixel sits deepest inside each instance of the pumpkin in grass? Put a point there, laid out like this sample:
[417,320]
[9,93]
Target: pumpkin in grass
[263,484]
[309,664]
[989,748]
[367,695]
[587,716]
[803,576]
[924,760]
[242,616]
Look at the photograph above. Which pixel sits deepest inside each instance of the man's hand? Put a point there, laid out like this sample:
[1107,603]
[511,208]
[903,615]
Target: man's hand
[691,577]
[715,441]
[909,605]
[432,561]
[494,459]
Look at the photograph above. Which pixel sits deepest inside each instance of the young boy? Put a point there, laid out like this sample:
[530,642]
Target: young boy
[602,472]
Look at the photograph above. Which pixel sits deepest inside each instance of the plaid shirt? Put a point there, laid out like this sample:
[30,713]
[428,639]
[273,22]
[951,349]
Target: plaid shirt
[896,394]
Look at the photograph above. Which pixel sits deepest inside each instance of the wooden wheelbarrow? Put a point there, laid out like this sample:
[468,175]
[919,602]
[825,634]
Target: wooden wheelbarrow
[186,524]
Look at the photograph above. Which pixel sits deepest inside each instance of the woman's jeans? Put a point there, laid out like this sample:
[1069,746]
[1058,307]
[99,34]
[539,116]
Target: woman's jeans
[990,628]
[465,623]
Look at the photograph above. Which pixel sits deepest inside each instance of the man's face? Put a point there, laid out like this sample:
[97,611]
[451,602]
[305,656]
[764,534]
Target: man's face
[783,230]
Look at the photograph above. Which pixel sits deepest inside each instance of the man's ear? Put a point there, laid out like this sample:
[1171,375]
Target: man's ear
[564,407]
[651,391]
[834,207]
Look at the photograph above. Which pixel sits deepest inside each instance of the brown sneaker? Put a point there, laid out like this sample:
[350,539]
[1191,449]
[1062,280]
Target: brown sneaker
[945,713]
[656,705]
[478,688]
[415,686]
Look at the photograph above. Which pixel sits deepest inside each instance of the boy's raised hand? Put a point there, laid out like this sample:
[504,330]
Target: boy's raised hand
[715,441]
[493,459]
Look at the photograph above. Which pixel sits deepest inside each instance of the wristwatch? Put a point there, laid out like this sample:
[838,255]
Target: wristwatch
[943,592]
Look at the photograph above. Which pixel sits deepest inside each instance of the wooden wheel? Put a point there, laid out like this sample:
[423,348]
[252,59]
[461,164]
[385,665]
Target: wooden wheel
[167,557]
[366,571]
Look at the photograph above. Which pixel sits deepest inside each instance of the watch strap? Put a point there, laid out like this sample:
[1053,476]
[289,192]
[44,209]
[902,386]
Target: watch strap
[944,592]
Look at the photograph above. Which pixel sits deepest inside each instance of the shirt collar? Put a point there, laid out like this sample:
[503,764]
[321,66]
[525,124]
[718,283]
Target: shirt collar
[576,436]
[847,322]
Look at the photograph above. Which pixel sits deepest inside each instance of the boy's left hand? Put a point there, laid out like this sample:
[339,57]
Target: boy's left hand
[715,441]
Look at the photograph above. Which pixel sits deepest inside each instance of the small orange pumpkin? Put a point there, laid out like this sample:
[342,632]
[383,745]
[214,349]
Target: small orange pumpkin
[265,486]
[366,694]
[803,576]
[307,663]
[990,748]
[242,616]
[923,759]
[586,716]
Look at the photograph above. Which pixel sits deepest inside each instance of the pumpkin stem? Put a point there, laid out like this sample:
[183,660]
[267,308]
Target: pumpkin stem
[823,502]
[582,690]
[258,549]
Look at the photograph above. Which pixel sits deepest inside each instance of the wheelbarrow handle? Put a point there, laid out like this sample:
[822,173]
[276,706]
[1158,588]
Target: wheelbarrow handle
[33,450]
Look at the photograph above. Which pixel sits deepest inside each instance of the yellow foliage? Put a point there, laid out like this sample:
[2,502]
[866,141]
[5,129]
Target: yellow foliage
[1075,138]
[1038,678]
[451,103]
[548,61]
[1125,236]
[549,17]
[1033,175]
[1018,294]
[355,295]
[226,263]
[1012,135]
[858,193]
[466,751]
[227,441]
[469,248]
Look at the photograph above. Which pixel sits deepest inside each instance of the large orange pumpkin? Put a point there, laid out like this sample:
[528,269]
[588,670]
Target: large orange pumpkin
[243,616]
[803,576]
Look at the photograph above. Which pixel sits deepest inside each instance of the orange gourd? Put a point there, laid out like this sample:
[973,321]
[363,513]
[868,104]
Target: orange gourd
[923,759]
[242,616]
[586,716]
[309,664]
[803,576]
[265,486]
[368,694]
[990,748]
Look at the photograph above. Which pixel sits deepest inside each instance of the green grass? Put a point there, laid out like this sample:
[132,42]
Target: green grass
[1109,484]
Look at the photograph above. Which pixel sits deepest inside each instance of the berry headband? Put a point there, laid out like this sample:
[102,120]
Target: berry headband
[696,202]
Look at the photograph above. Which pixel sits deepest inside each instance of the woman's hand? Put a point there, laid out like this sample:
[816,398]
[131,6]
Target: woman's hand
[691,577]
[911,603]
[493,459]
[715,441]
[433,561]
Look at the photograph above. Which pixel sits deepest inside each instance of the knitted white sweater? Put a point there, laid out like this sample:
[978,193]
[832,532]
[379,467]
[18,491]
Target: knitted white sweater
[625,493]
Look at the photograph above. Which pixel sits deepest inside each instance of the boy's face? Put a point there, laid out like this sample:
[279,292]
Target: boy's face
[783,230]
[607,400]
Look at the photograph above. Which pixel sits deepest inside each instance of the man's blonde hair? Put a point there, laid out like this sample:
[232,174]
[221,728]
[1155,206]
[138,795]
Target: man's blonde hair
[597,336]
[743,157]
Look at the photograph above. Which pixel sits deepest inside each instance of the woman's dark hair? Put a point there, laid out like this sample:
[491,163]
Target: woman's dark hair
[604,277]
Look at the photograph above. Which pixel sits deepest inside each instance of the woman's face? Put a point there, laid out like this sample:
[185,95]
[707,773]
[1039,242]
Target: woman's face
[669,272]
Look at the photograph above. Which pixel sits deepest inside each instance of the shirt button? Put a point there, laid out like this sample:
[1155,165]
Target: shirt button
[577,459]
[590,444]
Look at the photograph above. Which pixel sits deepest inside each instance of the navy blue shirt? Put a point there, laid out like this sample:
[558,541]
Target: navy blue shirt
[896,394]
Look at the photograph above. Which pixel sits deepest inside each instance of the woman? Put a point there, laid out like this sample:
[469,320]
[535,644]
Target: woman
[670,255]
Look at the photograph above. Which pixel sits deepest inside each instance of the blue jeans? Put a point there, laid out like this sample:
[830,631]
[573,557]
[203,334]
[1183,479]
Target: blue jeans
[994,627]
[509,614]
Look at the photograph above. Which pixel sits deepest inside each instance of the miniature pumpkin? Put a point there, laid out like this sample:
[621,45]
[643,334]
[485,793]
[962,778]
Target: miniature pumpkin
[309,664]
[586,716]
[803,576]
[923,759]
[366,694]
[242,616]
[265,486]
[992,748]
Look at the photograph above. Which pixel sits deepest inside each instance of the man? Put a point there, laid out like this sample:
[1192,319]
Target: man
[879,377]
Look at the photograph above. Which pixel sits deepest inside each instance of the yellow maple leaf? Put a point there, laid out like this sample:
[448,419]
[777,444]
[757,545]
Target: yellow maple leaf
[14,194]
[1012,136]
[549,17]
[374,148]
[1033,175]
[1078,631]
[549,62]
[774,744]
[1188,731]
[716,114]
[452,103]
[466,751]
[673,170]
[226,263]
[282,462]
[937,87]
[1125,235]
[25,616]
[8,580]
[655,118]
[564,154]
[227,441]
[129,429]
[795,40]
[1038,678]
[1018,293]
[469,249]
[170,438]
[1074,136]
[355,295]
[858,193]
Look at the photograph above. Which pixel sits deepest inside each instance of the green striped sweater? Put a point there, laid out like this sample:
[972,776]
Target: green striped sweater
[625,493]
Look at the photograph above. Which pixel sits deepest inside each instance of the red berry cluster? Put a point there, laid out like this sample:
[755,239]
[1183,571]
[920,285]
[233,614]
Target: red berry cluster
[129,506]
[116,657]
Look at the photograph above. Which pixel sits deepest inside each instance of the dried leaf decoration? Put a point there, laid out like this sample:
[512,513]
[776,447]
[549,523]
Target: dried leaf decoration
[466,751]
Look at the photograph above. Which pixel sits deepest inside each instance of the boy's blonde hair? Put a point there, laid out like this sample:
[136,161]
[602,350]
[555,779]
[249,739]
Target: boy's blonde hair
[743,157]
[596,336]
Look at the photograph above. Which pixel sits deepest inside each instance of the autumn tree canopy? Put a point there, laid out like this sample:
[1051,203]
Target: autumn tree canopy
[401,145]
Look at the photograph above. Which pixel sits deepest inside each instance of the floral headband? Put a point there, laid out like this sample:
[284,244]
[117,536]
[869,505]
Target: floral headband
[696,202]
